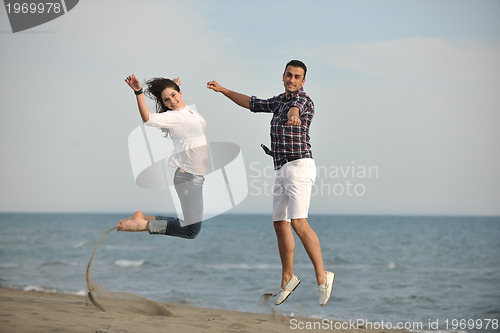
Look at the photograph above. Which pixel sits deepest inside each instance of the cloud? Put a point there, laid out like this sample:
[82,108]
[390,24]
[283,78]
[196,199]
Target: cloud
[418,58]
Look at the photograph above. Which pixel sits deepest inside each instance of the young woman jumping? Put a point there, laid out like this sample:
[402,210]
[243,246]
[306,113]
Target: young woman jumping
[186,127]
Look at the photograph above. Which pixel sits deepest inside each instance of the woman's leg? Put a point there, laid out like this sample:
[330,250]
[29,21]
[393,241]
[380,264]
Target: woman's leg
[189,189]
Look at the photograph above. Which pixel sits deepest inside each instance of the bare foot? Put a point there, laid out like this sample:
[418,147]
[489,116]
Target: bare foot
[136,222]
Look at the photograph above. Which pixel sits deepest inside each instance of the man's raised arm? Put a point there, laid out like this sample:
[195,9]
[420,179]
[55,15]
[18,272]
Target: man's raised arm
[240,99]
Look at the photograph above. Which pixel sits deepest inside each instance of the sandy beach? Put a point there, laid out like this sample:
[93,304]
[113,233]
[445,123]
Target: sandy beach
[32,311]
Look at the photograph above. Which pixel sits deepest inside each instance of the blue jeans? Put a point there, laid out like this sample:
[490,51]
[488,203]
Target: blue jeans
[189,188]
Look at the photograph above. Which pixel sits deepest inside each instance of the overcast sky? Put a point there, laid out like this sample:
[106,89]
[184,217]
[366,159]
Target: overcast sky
[406,94]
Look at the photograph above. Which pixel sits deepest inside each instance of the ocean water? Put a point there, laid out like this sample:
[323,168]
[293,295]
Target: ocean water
[389,269]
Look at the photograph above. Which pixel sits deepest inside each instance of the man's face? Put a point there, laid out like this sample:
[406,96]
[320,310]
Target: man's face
[293,79]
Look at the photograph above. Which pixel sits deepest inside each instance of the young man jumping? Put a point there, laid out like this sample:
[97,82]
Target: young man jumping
[295,170]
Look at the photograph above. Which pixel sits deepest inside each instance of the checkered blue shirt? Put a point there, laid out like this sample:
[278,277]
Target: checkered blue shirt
[287,141]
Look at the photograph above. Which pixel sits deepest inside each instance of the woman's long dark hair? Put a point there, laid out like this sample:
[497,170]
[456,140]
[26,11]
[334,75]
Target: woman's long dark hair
[155,88]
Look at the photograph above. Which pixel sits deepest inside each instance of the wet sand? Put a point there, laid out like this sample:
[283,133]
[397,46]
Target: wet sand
[32,311]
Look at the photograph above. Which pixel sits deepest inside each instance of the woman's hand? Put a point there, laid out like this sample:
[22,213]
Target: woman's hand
[133,82]
[177,81]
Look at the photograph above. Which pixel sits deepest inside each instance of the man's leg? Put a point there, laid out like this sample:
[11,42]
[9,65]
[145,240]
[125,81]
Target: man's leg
[286,246]
[311,244]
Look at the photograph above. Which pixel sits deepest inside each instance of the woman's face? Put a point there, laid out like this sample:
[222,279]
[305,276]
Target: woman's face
[172,99]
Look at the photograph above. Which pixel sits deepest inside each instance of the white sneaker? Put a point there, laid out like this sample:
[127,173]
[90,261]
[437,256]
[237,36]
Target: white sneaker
[326,290]
[289,287]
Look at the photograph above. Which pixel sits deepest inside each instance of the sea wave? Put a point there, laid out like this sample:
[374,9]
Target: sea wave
[242,266]
[8,265]
[40,288]
[59,263]
[81,292]
[80,244]
[129,263]
[392,265]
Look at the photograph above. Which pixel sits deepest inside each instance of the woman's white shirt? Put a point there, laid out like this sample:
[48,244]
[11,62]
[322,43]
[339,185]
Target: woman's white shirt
[186,127]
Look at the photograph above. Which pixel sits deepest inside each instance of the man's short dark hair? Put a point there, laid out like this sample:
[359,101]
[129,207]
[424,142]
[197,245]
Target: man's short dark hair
[297,63]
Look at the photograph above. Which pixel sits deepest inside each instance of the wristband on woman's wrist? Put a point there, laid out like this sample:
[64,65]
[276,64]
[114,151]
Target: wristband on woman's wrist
[138,92]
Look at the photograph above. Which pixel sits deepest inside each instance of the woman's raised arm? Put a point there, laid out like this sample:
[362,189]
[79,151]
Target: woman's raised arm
[133,82]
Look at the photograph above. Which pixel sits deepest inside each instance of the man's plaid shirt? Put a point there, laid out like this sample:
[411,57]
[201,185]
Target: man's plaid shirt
[287,141]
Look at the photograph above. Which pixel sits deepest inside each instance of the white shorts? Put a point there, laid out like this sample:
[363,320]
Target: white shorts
[292,189]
